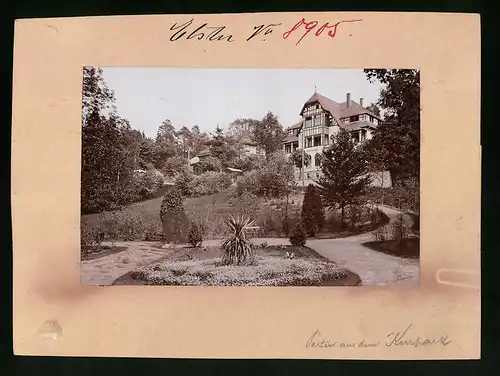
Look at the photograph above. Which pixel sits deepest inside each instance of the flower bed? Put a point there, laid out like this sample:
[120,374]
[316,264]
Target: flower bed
[268,271]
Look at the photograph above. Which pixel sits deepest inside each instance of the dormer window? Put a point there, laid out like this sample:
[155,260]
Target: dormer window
[354,118]
[363,117]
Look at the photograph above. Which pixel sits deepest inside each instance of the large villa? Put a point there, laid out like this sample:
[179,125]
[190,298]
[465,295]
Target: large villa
[321,119]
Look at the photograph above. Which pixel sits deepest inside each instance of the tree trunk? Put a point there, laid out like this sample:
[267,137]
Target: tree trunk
[342,216]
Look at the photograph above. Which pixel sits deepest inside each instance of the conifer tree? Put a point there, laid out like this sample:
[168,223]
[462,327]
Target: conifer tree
[313,215]
[344,177]
[173,217]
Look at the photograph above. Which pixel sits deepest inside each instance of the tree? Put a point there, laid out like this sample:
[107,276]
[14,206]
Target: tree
[96,95]
[173,165]
[374,108]
[186,141]
[249,162]
[184,181]
[101,157]
[276,177]
[173,217]
[344,169]
[220,148]
[166,143]
[269,134]
[210,164]
[296,158]
[199,139]
[397,141]
[242,127]
[313,215]
[146,153]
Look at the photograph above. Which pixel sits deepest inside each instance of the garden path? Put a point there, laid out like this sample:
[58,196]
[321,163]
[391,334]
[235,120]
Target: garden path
[374,268]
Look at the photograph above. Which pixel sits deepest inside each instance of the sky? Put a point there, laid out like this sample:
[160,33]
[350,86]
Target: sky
[211,97]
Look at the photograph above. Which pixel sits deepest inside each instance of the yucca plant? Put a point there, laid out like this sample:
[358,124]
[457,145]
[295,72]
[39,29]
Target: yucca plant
[237,249]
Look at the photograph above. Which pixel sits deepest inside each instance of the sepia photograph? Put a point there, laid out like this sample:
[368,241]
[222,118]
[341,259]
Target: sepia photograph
[250,177]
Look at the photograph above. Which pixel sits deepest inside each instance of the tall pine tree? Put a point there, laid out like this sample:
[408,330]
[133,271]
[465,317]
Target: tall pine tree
[344,169]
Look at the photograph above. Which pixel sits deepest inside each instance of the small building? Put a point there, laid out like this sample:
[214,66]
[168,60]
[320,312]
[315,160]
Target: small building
[234,173]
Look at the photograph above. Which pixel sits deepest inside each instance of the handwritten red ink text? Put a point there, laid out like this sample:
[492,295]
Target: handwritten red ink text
[310,26]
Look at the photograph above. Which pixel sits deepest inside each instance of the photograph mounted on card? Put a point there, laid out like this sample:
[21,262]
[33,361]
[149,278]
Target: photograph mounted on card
[281,164]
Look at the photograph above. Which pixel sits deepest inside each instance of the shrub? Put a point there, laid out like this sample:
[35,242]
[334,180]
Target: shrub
[248,182]
[144,185]
[91,237]
[249,162]
[210,183]
[210,164]
[173,165]
[400,230]
[380,234]
[184,181]
[195,235]
[173,217]
[354,216]
[237,249]
[333,222]
[298,237]
[272,180]
[128,225]
[313,215]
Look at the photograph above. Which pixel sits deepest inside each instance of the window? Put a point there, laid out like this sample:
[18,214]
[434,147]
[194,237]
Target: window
[355,136]
[317,159]
[317,140]
[363,117]
[308,122]
[372,119]
[354,118]
[295,146]
[363,135]
[327,140]
[288,148]
[308,142]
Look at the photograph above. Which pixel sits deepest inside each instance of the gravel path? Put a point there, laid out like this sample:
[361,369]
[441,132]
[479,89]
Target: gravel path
[374,268]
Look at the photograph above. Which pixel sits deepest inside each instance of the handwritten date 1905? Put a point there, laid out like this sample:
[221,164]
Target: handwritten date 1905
[310,26]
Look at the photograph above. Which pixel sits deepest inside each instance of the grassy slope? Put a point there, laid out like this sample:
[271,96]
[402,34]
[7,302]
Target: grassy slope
[152,207]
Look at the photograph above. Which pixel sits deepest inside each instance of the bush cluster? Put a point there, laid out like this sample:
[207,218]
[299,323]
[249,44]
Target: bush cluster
[208,183]
[404,198]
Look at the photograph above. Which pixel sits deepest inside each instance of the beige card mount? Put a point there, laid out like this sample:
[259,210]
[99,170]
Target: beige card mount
[56,315]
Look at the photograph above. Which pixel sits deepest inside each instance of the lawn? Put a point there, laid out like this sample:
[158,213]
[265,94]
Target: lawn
[151,208]
[199,267]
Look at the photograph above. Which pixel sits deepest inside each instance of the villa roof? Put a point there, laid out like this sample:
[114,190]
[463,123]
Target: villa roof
[291,138]
[336,109]
[357,125]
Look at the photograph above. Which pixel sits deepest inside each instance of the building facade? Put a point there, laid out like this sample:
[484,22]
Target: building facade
[322,118]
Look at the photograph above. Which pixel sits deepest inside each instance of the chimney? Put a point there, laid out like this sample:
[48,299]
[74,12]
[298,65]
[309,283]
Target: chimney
[361,102]
[348,100]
